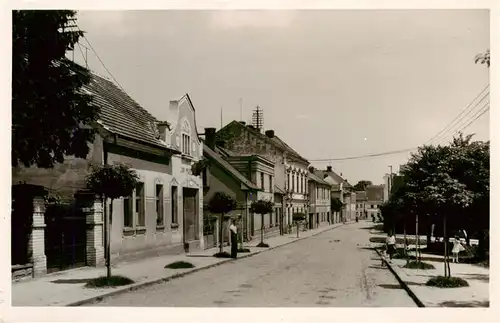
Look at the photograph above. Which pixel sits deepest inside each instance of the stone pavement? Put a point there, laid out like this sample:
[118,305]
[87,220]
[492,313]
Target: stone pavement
[66,288]
[475,295]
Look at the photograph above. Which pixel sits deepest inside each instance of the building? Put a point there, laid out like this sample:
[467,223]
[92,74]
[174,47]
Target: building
[163,215]
[290,169]
[220,176]
[361,212]
[342,190]
[374,198]
[319,200]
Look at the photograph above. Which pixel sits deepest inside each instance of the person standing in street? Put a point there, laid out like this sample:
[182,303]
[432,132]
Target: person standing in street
[391,245]
[234,239]
[457,248]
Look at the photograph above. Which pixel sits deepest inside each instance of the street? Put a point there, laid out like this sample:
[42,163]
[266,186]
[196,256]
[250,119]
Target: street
[333,269]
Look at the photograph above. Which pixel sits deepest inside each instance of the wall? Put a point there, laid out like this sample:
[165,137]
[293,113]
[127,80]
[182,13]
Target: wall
[66,178]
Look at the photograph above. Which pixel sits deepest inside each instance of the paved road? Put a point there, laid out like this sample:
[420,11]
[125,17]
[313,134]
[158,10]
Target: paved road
[332,269]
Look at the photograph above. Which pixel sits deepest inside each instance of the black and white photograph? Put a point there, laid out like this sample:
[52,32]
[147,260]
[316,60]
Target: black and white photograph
[249,158]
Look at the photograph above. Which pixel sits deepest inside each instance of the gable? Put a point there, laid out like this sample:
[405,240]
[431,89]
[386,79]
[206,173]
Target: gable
[185,123]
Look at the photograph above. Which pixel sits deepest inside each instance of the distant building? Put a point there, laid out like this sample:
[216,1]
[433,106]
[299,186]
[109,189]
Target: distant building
[374,198]
[319,200]
[361,212]
[342,190]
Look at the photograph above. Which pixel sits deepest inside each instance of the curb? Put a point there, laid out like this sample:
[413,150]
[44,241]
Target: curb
[140,285]
[401,282]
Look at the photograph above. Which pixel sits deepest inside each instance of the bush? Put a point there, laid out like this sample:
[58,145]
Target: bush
[244,250]
[419,265]
[111,281]
[447,282]
[179,265]
[223,254]
[262,245]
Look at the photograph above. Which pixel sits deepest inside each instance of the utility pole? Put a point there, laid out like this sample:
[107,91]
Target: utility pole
[390,181]
[221,117]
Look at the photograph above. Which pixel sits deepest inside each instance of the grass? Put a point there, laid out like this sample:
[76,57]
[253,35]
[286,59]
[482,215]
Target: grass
[419,265]
[180,265]
[112,281]
[447,282]
[223,254]
[262,245]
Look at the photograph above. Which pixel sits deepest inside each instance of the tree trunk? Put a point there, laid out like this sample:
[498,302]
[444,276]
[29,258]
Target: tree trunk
[445,238]
[262,228]
[221,237]
[404,244]
[417,255]
[297,229]
[108,239]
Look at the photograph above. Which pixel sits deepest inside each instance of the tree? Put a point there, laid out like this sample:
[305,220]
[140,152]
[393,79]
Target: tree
[221,203]
[262,207]
[483,58]
[111,181]
[51,116]
[335,205]
[361,185]
[298,218]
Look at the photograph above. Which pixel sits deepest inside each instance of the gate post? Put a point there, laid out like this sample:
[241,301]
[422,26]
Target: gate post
[92,207]
[36,245]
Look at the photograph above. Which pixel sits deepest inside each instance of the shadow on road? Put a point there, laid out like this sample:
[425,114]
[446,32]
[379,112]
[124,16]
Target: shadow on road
[465,304]
[71,281]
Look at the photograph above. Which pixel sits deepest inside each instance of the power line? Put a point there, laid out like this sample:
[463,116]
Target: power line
[467,122]
[470,120]
[461,116]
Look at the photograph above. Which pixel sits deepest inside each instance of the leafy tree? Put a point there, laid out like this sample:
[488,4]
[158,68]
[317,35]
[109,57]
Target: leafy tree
[483,58]
[51,116]
[262,207]
[361,185]
[111,181]
[298,218]
[335,204]
[221,203]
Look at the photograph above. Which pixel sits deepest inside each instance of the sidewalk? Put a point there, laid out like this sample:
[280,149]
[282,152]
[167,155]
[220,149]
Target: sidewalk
[66,288]
[414,280]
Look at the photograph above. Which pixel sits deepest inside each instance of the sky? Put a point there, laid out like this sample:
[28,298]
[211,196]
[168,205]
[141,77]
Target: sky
[332,83]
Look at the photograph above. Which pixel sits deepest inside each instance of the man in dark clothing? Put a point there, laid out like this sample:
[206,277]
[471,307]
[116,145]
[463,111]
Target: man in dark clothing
[234,239]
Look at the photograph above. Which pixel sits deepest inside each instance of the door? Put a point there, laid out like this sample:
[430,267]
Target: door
[190,214]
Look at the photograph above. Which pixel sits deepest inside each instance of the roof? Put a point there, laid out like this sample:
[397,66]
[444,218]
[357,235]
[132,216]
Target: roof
[375,192]
[228,167]
[275,141]
[313,177]
[360,195]
[120,114]
[339,179]
[278,190]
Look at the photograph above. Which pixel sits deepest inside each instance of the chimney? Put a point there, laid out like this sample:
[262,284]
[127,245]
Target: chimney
[270,133]
[164,129]
[328,168]
[243,122]
[210,138]
[311,169]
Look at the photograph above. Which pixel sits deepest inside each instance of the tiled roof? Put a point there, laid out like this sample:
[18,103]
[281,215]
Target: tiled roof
[339,179]
[276,141]
[228,167]
[121,114]
[317,179]
[375,192]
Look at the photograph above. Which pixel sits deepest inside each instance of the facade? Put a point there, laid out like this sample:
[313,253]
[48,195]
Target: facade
[220,176]
[374,198]
[290,169]
[162,215]
[343,190]
[361,212]
[319,201]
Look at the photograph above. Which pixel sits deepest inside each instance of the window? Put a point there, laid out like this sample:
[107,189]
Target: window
[262,181]
[372,206]
[300,184]
[159,205]
[288,181]
[293,182]
[186,144]
[128,212]
[270,183]
[173,204]
[139,205]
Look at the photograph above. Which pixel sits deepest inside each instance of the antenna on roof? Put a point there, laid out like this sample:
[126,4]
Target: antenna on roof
[258,118]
